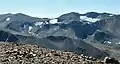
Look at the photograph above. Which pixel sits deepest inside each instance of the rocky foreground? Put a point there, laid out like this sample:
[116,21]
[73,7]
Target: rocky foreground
[12,53]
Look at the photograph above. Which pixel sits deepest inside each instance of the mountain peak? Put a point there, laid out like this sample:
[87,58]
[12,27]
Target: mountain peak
[92,14]
[20,14]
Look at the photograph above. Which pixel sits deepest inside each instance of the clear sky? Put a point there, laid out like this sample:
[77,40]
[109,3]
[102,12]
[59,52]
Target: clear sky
[54,8]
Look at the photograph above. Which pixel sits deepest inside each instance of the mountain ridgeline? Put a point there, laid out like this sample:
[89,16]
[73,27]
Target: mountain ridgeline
[71,31]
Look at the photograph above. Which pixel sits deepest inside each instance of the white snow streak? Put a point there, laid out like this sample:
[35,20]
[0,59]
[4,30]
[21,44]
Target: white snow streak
[8,19]
[85,18]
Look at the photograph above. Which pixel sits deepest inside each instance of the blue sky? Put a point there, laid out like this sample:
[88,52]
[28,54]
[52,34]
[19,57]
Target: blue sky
[54,8]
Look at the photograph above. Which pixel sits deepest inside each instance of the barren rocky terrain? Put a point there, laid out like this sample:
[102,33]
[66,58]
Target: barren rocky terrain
[12,53]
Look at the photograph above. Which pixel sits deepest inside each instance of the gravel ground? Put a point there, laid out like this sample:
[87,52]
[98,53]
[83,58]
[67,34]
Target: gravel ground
[11,53]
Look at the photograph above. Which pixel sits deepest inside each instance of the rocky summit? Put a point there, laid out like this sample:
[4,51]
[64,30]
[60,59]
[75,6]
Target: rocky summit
[13,53]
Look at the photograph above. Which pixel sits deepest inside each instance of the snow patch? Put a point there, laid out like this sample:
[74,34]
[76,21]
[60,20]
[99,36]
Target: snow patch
[30,27]
[8,19]
[38,23]
[108,42]
[46,22]
[53,21]
[24,26]
[111,15]
[118,43]
[85,18]
[40,26]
